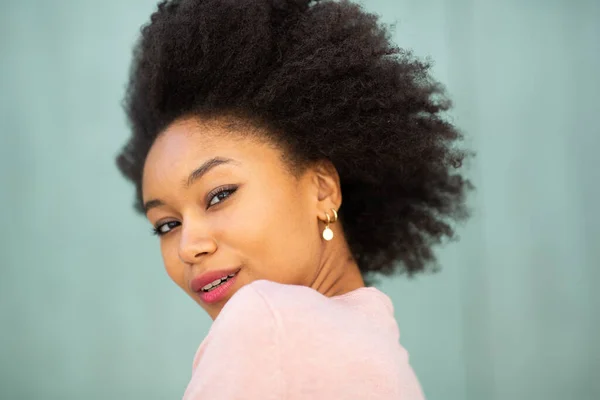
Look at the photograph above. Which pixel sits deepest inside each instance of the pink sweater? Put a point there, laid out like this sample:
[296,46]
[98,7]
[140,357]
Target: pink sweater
[287,342]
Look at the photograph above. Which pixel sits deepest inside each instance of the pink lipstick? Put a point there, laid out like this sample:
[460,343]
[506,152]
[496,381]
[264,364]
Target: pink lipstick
[213,286]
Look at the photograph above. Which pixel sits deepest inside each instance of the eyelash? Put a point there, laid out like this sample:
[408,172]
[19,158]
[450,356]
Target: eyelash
[223,189]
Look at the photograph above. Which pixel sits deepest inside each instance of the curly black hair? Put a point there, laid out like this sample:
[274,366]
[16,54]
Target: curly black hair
[327,81]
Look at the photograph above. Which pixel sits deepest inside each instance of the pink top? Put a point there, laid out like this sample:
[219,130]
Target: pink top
[288,342]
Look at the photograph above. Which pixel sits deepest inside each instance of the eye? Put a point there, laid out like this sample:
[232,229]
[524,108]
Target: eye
[165,228]
[219,195]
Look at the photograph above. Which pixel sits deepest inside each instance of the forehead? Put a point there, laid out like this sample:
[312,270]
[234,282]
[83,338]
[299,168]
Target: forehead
[187,143]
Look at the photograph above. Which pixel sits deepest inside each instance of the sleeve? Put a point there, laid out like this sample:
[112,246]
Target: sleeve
[242,360]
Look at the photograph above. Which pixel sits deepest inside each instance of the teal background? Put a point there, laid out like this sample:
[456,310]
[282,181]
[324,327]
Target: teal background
[87,311]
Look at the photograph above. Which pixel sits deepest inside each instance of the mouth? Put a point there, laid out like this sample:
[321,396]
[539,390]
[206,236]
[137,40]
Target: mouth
[216,283]
[214,286]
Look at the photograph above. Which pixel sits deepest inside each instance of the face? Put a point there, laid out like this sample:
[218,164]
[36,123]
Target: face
[222,199]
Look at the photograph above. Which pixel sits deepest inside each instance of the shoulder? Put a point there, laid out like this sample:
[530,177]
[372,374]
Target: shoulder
[274,301]
[290,314]
[249,308]
[253,325]
[244,335]
[245,329]
[259,305]
[265,308]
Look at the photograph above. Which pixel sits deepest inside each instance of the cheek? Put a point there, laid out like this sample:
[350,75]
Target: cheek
[173,265]
[276,236]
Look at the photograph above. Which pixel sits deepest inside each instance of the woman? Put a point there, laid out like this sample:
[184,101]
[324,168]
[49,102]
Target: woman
[284,151]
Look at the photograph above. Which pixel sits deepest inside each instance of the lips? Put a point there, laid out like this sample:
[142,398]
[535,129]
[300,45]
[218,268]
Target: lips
[210,276]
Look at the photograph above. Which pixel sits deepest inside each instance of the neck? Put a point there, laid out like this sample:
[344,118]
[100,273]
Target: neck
[339,272]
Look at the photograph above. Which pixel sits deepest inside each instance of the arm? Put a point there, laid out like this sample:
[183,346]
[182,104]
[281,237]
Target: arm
[242,359]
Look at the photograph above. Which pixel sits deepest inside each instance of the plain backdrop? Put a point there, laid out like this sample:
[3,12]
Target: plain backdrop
[87,311]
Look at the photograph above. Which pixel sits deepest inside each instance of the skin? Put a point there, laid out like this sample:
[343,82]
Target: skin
[270,226]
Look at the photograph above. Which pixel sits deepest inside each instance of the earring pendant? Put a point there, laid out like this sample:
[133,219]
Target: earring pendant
[327,232]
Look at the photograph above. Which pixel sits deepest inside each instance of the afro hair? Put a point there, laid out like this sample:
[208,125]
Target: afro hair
[326,79]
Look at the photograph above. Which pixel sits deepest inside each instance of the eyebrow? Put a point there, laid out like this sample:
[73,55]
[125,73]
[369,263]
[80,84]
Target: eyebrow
[193,177]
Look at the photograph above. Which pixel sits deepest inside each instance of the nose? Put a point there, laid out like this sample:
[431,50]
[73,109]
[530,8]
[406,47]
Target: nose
[195,242]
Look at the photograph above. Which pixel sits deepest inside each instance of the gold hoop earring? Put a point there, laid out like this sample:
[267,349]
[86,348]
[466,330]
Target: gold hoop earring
[327,232]
[335,216]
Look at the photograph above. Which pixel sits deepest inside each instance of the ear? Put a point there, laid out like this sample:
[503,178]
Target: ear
[327,183]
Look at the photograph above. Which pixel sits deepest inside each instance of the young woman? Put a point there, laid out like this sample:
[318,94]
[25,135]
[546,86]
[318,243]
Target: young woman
[285,151]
